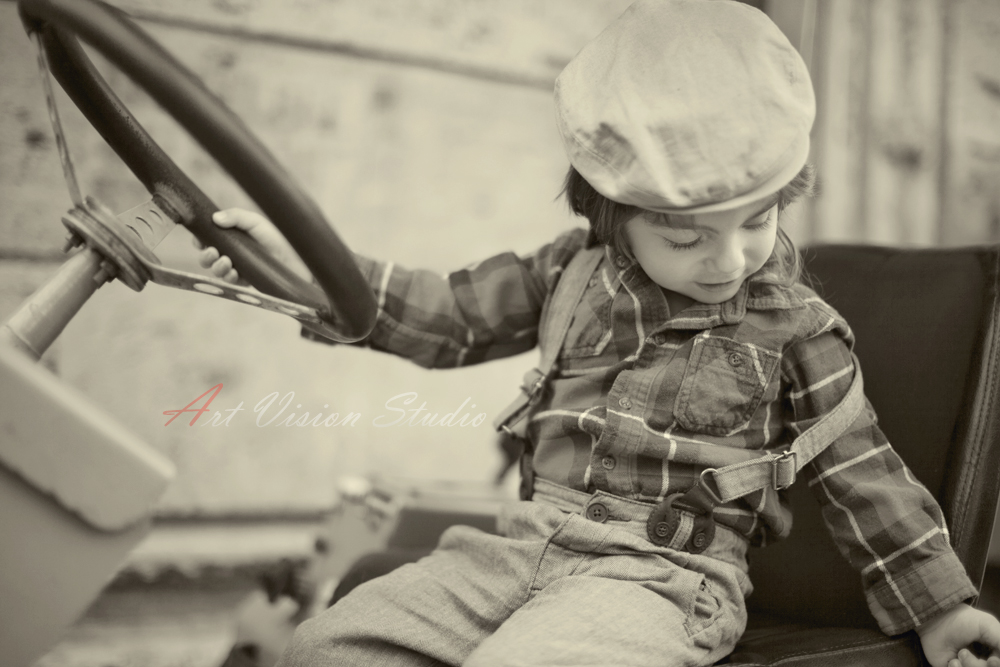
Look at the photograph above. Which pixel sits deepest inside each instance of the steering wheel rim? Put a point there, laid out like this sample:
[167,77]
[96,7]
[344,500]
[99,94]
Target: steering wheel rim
[346,302]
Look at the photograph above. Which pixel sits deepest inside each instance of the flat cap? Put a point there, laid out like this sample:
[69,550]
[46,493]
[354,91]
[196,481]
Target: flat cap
[687,106]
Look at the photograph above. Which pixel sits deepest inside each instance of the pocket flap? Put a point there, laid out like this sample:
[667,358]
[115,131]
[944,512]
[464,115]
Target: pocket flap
[722,385]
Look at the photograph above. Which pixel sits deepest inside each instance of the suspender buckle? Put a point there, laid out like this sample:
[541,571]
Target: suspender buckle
[783,470]
[707,488]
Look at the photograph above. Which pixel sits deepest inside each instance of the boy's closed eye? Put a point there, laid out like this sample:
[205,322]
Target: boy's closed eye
[761,220]
[681,239]
[686,238]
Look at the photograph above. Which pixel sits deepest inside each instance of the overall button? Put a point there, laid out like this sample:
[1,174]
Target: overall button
[608,462]
[735,359]
[597,512]
[699,540]
[625,403]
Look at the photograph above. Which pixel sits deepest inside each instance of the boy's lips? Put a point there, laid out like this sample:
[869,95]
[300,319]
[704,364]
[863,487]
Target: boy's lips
[718,287]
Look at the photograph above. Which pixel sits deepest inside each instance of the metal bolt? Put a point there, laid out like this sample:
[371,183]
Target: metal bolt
[73,240]
[106,273]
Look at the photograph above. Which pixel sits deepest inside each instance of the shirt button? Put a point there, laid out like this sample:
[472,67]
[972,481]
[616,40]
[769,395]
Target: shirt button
[608,462]
[660,339]
[593,282]
[625,403]
[735,359]
[621,262]
[597,512]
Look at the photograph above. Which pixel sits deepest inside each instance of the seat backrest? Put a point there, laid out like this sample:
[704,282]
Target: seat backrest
[927,323]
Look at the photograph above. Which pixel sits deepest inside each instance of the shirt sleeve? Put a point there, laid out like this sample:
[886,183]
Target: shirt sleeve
[883,520]
[485,311]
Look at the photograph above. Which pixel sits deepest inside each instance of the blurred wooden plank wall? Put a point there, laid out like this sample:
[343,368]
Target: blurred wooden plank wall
[907,138]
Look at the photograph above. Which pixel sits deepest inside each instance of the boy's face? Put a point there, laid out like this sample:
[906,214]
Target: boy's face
[704,256]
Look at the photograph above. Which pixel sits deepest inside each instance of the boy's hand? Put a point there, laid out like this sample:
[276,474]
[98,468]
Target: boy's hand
[261,230]
[947,638]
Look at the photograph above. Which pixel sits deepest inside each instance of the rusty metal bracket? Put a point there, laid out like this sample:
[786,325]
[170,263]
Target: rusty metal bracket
[127,240]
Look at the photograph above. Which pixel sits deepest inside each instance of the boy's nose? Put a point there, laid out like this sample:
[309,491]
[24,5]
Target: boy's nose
[729,260]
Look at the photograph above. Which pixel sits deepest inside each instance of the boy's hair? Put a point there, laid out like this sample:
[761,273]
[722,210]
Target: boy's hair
[607,220]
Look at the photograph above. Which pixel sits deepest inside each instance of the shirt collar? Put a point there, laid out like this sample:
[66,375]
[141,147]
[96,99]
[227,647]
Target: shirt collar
[758,292]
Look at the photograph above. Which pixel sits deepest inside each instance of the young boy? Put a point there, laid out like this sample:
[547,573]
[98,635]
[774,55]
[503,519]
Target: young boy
[675,342]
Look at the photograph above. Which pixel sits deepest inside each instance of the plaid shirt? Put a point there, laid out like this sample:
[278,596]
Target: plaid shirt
[643,400]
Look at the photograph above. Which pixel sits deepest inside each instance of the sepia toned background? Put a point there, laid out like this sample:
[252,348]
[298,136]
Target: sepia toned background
[424,130]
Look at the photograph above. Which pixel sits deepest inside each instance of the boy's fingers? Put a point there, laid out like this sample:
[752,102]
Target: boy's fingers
[222,266]
[238,218]
[232,276]
[969,659]
[196,242]
[225,219]
[207,257]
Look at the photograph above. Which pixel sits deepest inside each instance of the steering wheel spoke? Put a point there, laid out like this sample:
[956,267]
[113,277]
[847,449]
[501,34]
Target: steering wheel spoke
[193,282]
[69,171]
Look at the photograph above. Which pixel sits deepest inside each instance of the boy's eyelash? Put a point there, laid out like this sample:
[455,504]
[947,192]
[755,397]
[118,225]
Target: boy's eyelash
[755,227]
[682,246]
[763,224]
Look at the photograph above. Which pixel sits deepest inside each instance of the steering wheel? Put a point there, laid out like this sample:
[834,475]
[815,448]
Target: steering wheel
[343,310]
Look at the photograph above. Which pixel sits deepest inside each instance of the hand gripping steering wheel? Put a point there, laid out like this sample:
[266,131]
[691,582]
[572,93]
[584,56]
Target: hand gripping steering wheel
[344,310]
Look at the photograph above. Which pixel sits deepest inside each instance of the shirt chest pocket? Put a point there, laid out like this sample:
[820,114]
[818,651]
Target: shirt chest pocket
[590,329]
[722,385]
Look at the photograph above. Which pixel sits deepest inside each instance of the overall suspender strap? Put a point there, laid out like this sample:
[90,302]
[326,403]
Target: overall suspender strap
[553,327]
[557,314]
[667,524]
[778,470]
